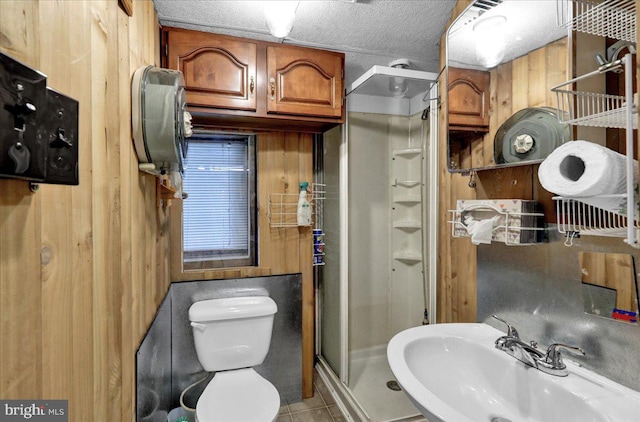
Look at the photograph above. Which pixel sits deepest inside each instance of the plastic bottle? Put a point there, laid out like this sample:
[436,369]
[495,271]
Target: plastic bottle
[304,208]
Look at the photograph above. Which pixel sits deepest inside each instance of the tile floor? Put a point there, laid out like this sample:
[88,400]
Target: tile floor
[319,408]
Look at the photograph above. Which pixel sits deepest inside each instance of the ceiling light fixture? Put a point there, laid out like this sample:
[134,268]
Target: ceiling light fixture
[397,85]
[280,16]
[490,40]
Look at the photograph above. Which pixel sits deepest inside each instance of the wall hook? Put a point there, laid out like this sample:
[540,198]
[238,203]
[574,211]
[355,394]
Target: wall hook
[472,180]
[570,235]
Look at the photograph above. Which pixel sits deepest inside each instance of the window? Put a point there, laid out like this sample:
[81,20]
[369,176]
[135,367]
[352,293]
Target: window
[218,217]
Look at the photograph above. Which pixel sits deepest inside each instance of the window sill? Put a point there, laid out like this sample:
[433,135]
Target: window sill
[220,274]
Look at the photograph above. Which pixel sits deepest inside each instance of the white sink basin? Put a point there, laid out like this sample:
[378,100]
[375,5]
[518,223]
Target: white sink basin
[453,373]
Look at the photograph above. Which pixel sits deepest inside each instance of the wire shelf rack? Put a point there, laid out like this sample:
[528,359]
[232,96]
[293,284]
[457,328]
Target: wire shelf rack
[283,207]
[513,228]
[602,110]
[576,217]
[594,109]
[609,18]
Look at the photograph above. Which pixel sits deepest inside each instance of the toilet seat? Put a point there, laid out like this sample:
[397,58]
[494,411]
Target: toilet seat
[240,395]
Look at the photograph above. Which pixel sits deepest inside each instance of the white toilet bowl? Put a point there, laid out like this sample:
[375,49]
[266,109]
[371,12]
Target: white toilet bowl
[239,395]
[232,335]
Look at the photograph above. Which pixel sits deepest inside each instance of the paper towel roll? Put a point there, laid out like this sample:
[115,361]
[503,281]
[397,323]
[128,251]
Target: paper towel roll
[584,170]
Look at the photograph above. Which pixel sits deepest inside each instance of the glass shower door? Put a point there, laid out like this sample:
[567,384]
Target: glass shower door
[330,294]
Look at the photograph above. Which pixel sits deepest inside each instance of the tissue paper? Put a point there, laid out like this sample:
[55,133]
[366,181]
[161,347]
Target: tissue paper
[481,231]
[584,170]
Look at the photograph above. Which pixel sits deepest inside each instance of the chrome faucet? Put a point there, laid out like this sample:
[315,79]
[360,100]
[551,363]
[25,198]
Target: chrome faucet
[549,362]
[512,345]
[552,362]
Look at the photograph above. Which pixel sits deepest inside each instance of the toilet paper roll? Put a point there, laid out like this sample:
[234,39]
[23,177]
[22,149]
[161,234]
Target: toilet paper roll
[584,170]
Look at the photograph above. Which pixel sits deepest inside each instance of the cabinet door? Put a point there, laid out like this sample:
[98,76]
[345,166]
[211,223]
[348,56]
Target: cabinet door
[469,99]
[219,72]
[304,82]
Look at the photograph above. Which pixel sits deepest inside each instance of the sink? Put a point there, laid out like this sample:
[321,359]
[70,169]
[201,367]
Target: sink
[453,373]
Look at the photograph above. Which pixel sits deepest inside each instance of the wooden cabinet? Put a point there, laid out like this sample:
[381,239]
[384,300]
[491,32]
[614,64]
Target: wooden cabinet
[238,82]
[468,100]
[304,81]
[218,72]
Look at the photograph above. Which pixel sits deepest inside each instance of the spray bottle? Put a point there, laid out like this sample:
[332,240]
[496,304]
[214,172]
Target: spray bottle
[304,208]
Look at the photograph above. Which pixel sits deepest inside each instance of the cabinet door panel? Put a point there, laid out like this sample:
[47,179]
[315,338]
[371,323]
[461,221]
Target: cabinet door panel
[468,99]
[218,72]
[304,82]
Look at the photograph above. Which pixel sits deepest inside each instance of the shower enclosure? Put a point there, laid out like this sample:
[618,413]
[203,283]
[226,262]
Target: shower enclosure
[378,217]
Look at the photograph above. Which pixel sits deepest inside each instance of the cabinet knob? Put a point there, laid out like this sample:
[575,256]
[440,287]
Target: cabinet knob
[252,86]
[272,84]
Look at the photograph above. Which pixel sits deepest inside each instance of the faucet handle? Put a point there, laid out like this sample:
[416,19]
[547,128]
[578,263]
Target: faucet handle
[511,330]
[554,358]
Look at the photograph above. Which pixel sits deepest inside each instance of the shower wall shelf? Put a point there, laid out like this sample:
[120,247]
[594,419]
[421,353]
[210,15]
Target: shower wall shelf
[283,207]
[407,183]
[407,257]
[513,228]
[409,225]
[610,18]
[407,199]
[407,152]
[407,252]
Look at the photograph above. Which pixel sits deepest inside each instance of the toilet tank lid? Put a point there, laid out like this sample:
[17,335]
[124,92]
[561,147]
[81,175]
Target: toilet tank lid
[232,308]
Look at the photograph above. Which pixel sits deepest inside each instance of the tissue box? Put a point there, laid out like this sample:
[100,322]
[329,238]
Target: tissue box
[516,232]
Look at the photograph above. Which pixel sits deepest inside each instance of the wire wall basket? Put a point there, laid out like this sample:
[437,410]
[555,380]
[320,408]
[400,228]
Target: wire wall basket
[601,110]
[283,207]
[576,217]
[512,228]
[595,109]
[610,18]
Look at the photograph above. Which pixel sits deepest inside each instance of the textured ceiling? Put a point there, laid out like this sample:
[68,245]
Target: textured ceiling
[369,32]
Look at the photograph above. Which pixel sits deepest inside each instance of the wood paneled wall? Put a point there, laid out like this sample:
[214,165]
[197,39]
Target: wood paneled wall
[285,160]
[82,268]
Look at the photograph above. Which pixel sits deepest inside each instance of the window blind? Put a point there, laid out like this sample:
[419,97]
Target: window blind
[216,214]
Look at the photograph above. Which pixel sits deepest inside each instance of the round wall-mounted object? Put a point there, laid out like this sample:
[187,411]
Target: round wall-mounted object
[530,135]
[158,117]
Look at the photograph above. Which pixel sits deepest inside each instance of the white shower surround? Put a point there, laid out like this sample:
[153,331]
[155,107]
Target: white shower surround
[378,307]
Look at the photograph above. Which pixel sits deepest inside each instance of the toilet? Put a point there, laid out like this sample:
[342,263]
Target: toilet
[231,336]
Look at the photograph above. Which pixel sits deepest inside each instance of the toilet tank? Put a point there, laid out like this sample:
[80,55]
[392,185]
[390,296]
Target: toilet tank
[232,333]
